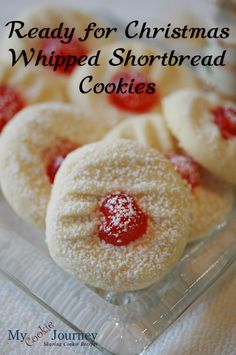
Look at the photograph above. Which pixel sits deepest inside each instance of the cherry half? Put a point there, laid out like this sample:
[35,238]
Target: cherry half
[225,119]
[133,100]
[187,168]
[10,103]
[74,48]
[123,220]
[57,156]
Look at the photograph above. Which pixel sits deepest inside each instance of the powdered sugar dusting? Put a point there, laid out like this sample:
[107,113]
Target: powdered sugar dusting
[187,168]
[211,204]
[86,178]
[122,219]
[27,143]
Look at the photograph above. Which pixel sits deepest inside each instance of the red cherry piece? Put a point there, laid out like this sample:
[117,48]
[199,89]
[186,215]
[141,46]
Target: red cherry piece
[10,103]
[53,167]
[187,168]
[225,119]
[74,48]
[133,101]
[57,157]
[123,220]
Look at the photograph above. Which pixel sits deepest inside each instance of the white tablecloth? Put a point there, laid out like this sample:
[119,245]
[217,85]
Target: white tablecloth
[207,328]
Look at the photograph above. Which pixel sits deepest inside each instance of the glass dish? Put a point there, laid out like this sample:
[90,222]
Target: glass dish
[125,323]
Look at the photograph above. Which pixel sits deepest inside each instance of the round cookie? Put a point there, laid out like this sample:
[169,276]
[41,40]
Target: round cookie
[32,147]
[112,108]
[211,199]
[20,86]
[47,18]
[118,216]
[149,129]
[205,127]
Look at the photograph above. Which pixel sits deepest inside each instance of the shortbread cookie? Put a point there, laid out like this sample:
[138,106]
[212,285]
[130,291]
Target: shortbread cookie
[211,199]
[205,126]
[118,216]
[140,97]
[149,129]
[20,86]
[32,148]
[54,24]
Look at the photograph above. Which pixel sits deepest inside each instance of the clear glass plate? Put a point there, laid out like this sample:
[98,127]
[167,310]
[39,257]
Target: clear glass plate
[126,323]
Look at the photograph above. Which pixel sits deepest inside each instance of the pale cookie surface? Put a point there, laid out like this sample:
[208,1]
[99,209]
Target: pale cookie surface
[34,84]
[189,116]
[36,135]
[211,203]
[85,178]
[149,129]
[211,200]
[100,103]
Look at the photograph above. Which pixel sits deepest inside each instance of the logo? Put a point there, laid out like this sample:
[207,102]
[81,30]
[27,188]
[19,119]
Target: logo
[55,338]
[30,340]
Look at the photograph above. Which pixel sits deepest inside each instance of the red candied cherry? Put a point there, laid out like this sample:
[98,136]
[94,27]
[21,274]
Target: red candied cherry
[187,168]
[10,103]
[123,220]
[74,48]
[133,102]
[225,119]
[57,157]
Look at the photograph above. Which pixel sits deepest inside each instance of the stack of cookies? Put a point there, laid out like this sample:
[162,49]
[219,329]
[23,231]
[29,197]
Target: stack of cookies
[120,182]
